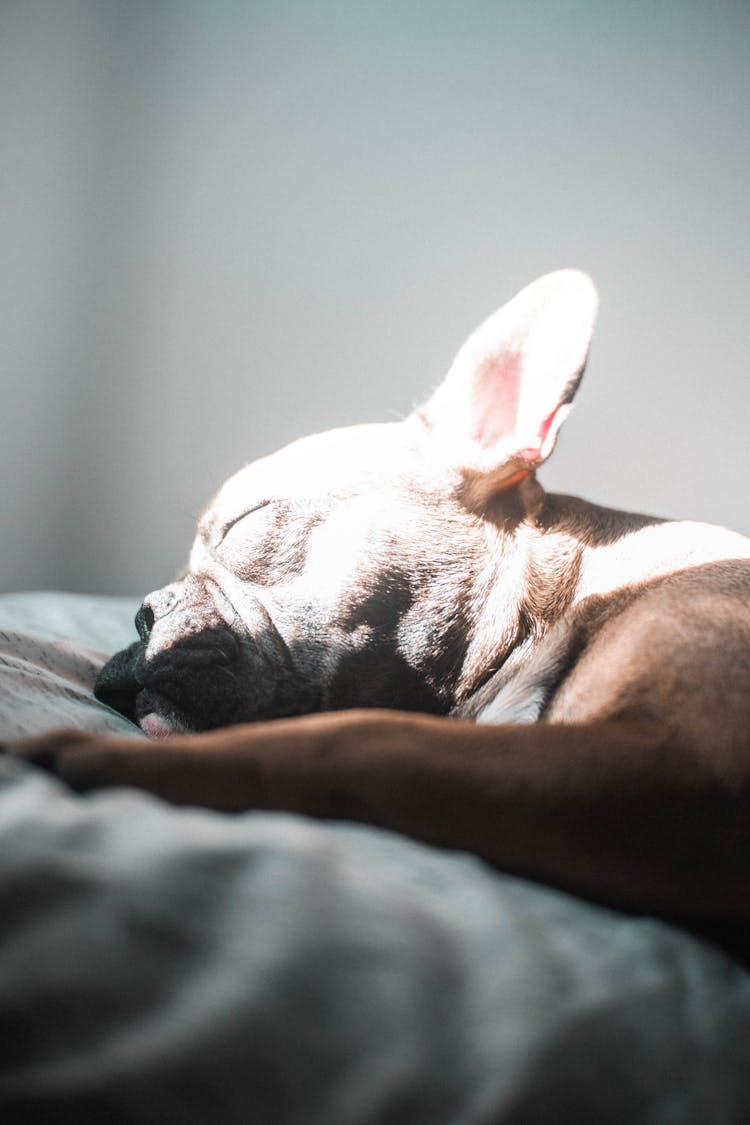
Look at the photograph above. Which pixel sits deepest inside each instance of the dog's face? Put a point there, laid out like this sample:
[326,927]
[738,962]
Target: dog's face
[352,568]
[322,577]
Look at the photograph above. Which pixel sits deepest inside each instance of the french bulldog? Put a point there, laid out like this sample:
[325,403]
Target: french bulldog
[396,624]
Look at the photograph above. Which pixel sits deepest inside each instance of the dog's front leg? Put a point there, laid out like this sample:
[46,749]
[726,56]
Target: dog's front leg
[612,811]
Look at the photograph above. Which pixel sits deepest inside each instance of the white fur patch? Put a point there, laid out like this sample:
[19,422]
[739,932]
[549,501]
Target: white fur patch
[656,550]
[527,678]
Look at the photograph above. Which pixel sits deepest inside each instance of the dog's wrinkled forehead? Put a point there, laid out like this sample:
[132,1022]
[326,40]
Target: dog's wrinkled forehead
[346,461]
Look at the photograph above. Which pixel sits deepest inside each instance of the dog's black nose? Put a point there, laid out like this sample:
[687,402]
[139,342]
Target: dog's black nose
[144,621]
[155,606]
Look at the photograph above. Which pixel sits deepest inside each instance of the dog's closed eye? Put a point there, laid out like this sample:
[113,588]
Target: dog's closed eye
[267,544]
[227,527]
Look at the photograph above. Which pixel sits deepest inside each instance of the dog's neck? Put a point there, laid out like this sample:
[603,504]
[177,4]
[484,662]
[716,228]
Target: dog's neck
[550,552]
[535,545]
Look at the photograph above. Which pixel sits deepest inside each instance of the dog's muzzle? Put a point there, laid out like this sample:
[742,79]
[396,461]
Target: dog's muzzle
[116,685]
[191,671]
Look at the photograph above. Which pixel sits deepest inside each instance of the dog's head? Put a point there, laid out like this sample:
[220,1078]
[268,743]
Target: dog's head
[371,566]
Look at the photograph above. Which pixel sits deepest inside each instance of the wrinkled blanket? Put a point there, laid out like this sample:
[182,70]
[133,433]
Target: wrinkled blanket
[178,965]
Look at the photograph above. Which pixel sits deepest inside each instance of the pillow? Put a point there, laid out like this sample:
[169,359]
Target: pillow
[52,646]
[175,964]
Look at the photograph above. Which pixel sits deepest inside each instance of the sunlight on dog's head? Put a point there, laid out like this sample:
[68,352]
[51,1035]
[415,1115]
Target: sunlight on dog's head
[353,565]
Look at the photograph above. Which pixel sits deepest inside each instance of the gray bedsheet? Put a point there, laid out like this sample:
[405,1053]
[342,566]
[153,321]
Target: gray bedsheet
[52,646]
[176,965]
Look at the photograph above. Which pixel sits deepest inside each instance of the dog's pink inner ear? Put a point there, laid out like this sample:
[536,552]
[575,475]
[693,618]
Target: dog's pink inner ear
[508,390]
[495,398]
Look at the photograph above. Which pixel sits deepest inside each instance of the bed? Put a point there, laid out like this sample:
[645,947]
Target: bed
[177,965]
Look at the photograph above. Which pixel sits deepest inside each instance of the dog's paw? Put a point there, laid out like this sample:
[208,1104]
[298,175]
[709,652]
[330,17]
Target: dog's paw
[182,769]
[84,760]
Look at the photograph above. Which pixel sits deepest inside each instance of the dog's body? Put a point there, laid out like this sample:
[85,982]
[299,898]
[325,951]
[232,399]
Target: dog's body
[595,664]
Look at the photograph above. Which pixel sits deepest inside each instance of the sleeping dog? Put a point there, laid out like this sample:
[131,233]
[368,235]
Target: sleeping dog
[395,624]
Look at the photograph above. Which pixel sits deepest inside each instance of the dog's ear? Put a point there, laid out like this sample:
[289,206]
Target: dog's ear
[497,414]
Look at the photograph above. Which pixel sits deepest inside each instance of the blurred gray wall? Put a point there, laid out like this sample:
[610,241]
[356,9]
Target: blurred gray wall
[226,224]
